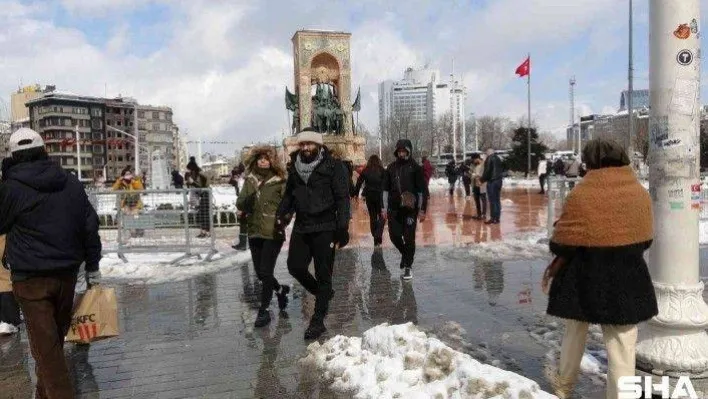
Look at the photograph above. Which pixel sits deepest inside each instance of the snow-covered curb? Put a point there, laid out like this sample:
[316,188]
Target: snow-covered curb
[528,246]
[401,361]
[156,268]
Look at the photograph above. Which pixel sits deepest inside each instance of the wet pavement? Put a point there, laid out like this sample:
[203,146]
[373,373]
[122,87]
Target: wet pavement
[195,338]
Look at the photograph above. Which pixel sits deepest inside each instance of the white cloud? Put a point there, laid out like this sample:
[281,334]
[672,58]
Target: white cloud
[223,65]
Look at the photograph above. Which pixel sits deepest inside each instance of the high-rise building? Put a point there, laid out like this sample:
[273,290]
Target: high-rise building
[421,95]
[120,148]
[181,152]
[57,117]
[19,113]
[156,130]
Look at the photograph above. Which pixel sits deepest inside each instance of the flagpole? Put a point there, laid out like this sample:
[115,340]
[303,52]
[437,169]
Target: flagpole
[528,131]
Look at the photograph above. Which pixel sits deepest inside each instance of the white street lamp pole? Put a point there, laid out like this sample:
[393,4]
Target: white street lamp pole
[78,151]
[137,149]
[675,342]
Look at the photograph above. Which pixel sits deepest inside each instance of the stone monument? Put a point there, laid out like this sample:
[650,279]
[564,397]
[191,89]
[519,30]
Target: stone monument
[322,95]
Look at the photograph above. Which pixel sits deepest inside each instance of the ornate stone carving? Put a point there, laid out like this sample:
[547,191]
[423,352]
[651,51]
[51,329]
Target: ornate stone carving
[681,305]
[675,341]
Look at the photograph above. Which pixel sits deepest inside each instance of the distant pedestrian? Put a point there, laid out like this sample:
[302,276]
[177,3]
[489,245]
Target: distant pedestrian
[372,177]
[177,180]
[494,177]
[236,174]
[466,174]
[542,173]
[599,275]
[197,180]
[479,191]
[451,174]
[405,200]
[428,171]
[559,167]
[317,192]
[130,202]
[51,229]
[258,201]
[572,171]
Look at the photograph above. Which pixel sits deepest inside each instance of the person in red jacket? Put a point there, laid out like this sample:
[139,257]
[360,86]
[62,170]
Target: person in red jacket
[427,170]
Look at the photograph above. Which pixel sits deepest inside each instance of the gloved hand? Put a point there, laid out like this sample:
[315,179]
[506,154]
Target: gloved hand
[341,237]
[93,278]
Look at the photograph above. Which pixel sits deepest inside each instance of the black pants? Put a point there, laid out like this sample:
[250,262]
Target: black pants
[204,211]
[304,247]
[542,181]
[264,254]
[467,183]
[452,186]
[9,310]
[401,230]
[374,204]
[480,202]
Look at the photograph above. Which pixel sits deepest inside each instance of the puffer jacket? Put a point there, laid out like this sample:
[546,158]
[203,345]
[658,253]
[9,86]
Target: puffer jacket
[321,204]
[131,201]
[372,179]
[405,176]
[268,194]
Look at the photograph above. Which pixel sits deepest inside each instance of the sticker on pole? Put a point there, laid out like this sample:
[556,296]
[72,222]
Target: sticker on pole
[696,197]
[684,57]
[683,32]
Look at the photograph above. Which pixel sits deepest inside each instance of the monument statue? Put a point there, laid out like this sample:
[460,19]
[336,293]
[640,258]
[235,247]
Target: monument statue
[321,98]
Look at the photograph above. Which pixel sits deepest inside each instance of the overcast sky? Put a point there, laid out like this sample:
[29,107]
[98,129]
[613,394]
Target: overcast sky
[223,65]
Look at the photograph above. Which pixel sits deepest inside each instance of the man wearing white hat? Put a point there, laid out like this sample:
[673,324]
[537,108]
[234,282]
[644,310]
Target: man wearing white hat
[51,229]
[318,192]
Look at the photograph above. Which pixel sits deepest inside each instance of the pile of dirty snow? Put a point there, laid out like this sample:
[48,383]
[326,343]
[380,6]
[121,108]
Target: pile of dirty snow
[400,361]
[156,268]
[528,246]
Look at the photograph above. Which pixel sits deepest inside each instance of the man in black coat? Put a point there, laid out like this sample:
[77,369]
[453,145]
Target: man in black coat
[317,191]
[494,177]
[51,229]
[404,175]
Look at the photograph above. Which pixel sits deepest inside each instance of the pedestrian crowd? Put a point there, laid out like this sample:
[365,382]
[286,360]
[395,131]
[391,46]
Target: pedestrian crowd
[49,231]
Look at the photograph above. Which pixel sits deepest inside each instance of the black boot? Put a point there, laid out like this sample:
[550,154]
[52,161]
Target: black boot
[242,243]
[282,296]
[263,318]
[315,329]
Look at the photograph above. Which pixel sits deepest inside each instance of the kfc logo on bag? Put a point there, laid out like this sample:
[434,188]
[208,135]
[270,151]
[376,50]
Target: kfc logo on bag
[85,326]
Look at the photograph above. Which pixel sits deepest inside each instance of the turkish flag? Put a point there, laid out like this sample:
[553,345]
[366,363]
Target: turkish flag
[525,68]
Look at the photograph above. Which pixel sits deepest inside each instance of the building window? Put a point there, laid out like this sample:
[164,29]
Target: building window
[155,115]
[141,114]
[120,159]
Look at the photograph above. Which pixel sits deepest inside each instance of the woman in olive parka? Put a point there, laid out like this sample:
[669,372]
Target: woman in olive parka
[259,200]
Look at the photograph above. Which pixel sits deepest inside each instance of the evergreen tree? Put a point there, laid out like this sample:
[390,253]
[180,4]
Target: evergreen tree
[517,160]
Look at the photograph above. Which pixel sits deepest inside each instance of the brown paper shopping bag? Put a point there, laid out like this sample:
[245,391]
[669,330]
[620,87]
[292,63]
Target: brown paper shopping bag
[5,285]
[95,316]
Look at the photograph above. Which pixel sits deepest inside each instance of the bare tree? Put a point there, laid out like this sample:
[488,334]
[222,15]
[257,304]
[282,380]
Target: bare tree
[549,140]
[495,132]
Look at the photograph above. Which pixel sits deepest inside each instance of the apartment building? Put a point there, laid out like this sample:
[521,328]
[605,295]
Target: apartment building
[156,129]
[58,117]
[120,148]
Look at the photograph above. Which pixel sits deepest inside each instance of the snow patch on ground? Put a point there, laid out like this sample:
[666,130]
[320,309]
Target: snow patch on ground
[157,268]
[401,361]
[527,246]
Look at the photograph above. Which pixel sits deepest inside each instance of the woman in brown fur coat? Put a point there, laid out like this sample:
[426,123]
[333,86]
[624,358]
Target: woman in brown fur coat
[600,240]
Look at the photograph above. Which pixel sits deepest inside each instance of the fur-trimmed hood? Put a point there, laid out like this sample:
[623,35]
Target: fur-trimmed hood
[275,164]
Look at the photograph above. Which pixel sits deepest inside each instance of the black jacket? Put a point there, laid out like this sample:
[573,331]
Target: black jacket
[493,169]
[373,179]
[323,203]
[451,172]
[50,224]
[177,179]
[410,177]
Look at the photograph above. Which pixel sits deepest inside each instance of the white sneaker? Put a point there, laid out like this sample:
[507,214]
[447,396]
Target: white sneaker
[7,329]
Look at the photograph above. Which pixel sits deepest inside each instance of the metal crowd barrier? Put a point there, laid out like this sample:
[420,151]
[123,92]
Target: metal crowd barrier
[558,189]
[157,221]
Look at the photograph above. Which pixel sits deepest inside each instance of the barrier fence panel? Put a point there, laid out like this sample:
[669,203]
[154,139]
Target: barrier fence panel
[157,221]
[558,189]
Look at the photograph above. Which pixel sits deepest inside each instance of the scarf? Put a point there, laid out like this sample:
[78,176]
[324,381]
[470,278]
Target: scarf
[306,169]
[263,175]
[608,208]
